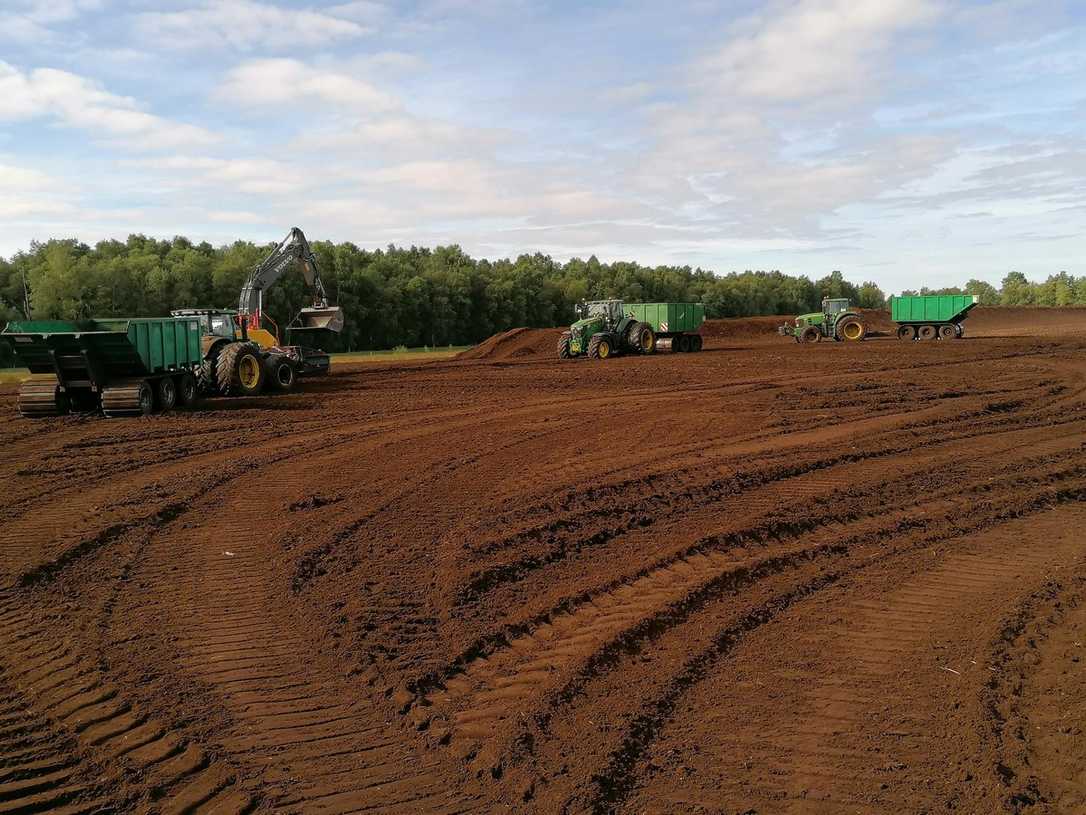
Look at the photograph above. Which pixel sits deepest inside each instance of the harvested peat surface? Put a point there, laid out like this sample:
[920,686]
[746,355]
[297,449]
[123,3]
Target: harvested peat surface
[763,578]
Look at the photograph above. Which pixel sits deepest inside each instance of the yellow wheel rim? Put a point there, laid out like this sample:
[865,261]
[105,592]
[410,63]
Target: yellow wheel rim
[605,349]
[650,342]
[852,331]
[249,371]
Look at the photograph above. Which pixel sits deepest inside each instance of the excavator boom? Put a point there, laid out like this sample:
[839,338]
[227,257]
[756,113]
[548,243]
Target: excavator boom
[292,251]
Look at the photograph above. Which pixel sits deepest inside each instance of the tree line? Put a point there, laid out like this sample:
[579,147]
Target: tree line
[418,296]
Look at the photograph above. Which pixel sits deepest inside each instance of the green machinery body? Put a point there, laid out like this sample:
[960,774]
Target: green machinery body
[109,363]
[837,321]
[610,327]
[931,316]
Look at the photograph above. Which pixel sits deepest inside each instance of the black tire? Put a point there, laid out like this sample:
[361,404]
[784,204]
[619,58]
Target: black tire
[927,332]
[685,343]
[947,332]
[145,398]
[851,329]
[600,347]
[563,345]
[906,332]
[206,383]
[280,373]
[959,331]
[188,393]
[239,370]
[696,340]
[811,333]
[166,393]
[641,338]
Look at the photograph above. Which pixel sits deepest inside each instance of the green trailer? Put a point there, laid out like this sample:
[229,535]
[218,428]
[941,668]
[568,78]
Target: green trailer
[675,324]
[931,316]
[121,366]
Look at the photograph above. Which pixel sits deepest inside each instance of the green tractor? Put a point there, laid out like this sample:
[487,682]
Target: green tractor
[604,330]
[837,321]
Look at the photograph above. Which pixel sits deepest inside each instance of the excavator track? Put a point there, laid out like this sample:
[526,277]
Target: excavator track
[38,398]
[128,397]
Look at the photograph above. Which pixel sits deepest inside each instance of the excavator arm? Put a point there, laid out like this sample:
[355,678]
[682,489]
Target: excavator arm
[293,251]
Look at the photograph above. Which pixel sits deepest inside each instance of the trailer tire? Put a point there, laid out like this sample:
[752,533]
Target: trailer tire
[927,332]
[811,334]
[947,332]
[697,341]
[205,377]
[906,332]
[166,394]
[281,373]
[145,398]
[239,370]
[563,345]
[187,393]
[959,331]
[599,347]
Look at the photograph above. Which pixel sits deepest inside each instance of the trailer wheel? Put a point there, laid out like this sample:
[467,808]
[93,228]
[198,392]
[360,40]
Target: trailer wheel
[145,398]
[697,340]
[281,373]
[947,332]
[811,334]
[187,392]
[563,346]
[927,332]
[39,398]
[167,394]
[959,331]
[906,332]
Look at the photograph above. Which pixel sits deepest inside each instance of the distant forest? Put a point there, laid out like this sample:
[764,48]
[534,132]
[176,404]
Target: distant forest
[422,297]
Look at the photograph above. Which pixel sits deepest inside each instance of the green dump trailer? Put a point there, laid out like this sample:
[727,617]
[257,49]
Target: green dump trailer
[675,324]
[931,316]
[120,366]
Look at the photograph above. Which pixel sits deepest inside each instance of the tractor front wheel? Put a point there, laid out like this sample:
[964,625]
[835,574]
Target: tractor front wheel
[599,347]
[811,334]
[563,346]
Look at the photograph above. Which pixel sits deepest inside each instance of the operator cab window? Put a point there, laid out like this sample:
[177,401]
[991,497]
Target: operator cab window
[222,325]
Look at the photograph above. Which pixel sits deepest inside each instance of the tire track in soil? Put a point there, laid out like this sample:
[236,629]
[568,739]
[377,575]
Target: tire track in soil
[810,748]
[494,686]
[68,722]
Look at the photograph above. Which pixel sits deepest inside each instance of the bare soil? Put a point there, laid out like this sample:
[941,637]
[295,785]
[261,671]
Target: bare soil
[764,578]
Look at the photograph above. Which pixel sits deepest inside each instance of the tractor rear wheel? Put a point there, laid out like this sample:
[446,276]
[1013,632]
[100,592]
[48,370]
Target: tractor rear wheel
[947,332]
[811,334]
[239,370]
[906,332]
[852,329]
[639,337]
[563,345]
[599,347]
[927,332]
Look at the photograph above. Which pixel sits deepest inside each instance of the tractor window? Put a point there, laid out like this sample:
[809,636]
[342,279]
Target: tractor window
[222,325]
[835,306]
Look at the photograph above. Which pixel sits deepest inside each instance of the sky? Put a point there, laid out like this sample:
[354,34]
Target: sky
[910,142]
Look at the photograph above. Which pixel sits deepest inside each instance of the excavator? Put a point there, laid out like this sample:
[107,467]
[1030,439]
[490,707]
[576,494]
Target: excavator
[240,355]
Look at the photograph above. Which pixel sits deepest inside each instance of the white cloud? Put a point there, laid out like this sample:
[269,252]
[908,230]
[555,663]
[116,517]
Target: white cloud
[76,101]
[273,82]
[802,50]
[245,25]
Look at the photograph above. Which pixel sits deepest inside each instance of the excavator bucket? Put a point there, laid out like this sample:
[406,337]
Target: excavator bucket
[330,318]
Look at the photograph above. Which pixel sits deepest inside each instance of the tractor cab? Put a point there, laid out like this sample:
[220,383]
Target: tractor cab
[832,306]
[215,323]
[610,310]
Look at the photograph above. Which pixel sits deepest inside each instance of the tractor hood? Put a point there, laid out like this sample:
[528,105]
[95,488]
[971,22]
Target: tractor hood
[588,324]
